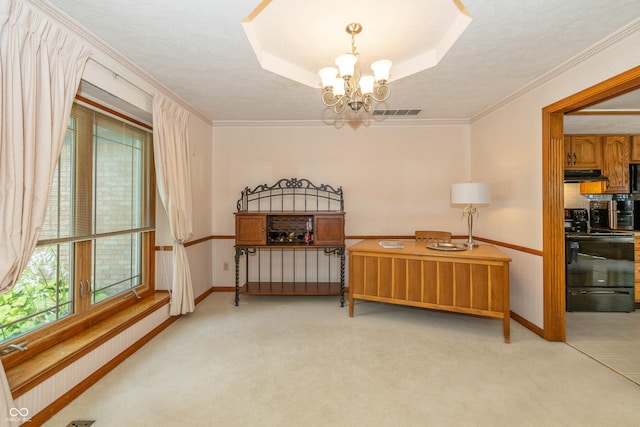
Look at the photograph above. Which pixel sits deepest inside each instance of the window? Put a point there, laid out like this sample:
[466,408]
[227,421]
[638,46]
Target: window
[98,233]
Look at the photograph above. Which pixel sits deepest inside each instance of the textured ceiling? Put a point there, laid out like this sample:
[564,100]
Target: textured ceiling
[199,50]
[313,47]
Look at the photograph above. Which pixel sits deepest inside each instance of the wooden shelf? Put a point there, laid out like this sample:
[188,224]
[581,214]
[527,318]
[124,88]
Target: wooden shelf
[290,288]
[292,246]
[275,223]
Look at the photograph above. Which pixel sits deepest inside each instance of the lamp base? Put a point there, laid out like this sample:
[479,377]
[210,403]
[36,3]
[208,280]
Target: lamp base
[470,211]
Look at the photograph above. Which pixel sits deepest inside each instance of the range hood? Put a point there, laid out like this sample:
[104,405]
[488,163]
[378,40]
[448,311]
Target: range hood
[584,175]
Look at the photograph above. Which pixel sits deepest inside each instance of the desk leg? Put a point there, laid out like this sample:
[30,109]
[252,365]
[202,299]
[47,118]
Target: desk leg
[351,289]
[350,303]
[507,310]
[506,328]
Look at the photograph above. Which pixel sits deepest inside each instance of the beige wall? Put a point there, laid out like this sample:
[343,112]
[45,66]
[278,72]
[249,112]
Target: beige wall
[201,254]
[395,179]
[506,150]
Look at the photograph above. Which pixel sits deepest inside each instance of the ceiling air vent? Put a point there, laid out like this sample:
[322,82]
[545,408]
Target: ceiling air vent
[396,112]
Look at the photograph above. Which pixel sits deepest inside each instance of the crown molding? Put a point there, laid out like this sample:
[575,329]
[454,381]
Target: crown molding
[85,34]
[339,124]
[82,32]
[621,34]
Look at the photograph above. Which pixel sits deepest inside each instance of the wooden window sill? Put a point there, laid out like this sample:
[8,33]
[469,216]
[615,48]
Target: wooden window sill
[28,374]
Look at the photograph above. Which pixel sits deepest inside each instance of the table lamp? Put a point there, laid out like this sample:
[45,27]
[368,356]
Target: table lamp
[470,194]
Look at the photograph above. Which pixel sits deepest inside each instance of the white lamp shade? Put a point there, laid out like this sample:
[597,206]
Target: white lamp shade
[475,193]
[338,87]
[328,76]
[346,64]
[381,70]
[366,84]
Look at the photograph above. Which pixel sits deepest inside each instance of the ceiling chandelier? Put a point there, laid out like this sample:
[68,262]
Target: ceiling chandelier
[347,86]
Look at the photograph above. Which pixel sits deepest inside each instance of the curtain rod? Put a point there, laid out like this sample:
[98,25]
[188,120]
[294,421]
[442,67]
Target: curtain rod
[118,76]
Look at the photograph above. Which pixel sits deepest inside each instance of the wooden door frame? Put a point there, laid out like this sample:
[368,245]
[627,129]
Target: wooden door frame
[553,193]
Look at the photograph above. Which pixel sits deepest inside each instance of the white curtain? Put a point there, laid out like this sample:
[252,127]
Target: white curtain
[40,69]
[173,170]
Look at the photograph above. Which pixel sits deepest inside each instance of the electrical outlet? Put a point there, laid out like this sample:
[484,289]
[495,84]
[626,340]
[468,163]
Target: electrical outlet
[225,266]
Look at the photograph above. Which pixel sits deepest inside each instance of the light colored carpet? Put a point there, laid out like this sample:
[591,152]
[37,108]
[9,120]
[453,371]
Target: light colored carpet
[301,361]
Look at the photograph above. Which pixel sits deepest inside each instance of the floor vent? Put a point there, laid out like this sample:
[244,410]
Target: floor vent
[396,112]
[78,423]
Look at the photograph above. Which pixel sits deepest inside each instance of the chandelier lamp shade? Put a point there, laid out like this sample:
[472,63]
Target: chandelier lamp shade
[346,85]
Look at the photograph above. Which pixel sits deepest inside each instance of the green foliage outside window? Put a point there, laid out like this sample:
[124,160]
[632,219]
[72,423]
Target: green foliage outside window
[41,296]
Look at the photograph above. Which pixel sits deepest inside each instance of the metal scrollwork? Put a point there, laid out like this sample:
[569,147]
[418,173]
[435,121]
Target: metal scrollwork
[334,251]
[299,187]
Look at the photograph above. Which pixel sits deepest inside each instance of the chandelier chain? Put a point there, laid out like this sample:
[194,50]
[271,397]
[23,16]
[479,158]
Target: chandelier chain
[353,44]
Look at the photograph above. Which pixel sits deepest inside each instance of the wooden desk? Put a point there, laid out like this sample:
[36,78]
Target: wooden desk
[472,281]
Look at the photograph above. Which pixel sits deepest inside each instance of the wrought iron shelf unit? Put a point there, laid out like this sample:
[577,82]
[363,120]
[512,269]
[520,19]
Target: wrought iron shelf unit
[291,236]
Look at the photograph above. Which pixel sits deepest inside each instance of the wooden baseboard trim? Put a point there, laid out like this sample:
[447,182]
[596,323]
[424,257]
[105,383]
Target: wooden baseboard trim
[204,295]
[76,391]
[524,322]
[223,289]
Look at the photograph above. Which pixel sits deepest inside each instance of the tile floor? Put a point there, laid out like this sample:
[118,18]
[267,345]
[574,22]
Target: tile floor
[613,339]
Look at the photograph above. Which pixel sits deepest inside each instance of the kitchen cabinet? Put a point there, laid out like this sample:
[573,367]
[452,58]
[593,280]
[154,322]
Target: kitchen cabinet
[615,162]
[635,149]
[582,152]
[615,153]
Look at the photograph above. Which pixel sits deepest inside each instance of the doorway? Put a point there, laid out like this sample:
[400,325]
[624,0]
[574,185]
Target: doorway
[553,194]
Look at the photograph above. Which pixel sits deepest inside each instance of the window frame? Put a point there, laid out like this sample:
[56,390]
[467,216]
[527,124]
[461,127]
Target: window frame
[60,330]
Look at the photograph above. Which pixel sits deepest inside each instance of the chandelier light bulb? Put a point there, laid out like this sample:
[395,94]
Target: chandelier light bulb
[381,70]
[346,64]
[328,76]
[366,85]
[346,85]
[338,87]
